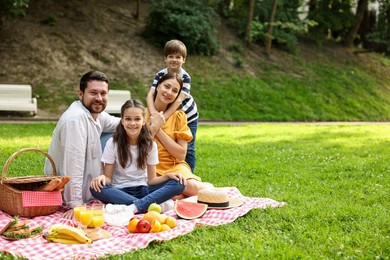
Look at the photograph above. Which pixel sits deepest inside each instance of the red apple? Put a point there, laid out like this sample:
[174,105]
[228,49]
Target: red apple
[143,226]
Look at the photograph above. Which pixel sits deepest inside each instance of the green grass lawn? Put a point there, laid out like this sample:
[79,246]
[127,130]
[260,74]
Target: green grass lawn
[335,179]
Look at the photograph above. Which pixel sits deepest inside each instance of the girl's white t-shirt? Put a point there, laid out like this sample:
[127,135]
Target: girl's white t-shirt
[130,176]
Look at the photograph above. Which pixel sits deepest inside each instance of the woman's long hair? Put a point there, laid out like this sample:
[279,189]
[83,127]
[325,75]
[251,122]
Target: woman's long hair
[144,142]
[166,77]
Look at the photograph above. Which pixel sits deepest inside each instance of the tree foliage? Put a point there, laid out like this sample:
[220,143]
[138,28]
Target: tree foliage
[379,38]
[194,22]
[191,21]
[286,26]
[12,8]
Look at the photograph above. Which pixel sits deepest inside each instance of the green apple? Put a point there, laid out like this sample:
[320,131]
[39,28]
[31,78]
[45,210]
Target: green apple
[154,207]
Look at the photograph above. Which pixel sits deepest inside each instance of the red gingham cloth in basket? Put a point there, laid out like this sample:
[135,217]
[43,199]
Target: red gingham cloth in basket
[121,241]
[41,198]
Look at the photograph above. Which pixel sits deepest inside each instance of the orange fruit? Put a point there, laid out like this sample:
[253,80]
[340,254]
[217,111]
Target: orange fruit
[133,225]
[170,221]
[164,227]
[155,226]
[151,215]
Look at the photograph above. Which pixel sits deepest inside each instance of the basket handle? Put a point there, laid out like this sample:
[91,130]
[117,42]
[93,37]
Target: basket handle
[10,159]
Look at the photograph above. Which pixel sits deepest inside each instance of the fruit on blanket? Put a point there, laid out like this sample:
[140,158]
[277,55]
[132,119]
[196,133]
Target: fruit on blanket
[170,222]
[150,215]
[154,207]
[189,210]
[163,218]
[62,240]
[61,233]
[143,226]
[155,226]
[132,227]
[164,227]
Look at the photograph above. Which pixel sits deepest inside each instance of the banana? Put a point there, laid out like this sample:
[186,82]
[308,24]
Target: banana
[65,232]
[54,227]
[75,233]
[64,236]
[62,240]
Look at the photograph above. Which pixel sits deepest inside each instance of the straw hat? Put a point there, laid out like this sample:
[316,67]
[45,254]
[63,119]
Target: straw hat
[216,198]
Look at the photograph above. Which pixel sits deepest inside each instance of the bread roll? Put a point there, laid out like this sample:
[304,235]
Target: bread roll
[64,181]
[50,186]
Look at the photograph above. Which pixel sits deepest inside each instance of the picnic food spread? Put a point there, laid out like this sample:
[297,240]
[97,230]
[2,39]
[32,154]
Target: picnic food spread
[16,230]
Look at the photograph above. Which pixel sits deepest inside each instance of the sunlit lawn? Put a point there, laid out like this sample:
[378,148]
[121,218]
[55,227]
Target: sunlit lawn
[335,179]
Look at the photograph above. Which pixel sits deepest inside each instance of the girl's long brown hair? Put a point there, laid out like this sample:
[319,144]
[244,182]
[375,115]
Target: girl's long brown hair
[144,142]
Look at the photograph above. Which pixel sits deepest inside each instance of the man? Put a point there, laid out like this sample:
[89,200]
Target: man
[75,146]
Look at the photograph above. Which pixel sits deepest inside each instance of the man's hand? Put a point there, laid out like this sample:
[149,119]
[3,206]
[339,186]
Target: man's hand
[68,214]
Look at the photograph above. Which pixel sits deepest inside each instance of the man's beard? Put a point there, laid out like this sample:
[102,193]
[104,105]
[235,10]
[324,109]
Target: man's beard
[90,107]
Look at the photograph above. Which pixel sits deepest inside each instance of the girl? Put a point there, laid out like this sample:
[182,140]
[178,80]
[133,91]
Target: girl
[130,158]
[173,136]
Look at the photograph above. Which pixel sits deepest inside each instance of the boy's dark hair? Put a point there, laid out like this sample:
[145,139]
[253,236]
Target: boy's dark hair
[175,46]
[144,142]
[92,75]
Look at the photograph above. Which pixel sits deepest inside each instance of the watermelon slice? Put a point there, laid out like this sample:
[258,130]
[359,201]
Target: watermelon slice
[189,210]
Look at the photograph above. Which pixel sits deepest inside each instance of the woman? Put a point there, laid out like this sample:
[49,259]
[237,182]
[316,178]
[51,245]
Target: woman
[173,136]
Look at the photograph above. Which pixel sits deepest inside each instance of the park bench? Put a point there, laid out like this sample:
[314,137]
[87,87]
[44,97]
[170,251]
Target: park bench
[17,98]
[116,98]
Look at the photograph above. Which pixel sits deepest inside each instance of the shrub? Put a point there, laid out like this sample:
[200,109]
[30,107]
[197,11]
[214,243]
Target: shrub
[12,8]
[192,22]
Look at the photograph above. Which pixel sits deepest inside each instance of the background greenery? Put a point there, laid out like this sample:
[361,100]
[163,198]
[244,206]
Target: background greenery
[309,75]
[334,178]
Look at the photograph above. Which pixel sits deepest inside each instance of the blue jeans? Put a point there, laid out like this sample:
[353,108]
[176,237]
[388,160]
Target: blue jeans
[141,196]
[104,138]
[191,155]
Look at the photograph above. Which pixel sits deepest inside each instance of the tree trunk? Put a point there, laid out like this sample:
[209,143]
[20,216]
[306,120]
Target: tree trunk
[268,41]
[136,14]
[361,9]
[248,34]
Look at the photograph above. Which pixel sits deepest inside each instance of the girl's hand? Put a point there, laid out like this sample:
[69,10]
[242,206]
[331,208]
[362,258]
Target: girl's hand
[177,177]
[158,119]
[98,183]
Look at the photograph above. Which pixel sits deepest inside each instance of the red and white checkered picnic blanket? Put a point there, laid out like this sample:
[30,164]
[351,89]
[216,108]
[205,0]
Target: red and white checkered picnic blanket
[121,241]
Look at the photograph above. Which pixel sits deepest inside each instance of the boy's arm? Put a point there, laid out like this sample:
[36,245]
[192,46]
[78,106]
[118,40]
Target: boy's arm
[150,102]
[174,105]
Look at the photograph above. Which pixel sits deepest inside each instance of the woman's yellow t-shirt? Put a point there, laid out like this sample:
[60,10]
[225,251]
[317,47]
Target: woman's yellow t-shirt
[176,128]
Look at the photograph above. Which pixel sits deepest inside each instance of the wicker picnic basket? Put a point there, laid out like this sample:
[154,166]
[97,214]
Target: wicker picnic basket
[11,189]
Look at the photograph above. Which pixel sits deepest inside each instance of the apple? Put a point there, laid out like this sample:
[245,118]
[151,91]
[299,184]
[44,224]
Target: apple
[154,207]
[143,226]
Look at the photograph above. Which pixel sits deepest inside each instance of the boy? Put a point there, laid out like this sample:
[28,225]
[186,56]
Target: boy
[175,53]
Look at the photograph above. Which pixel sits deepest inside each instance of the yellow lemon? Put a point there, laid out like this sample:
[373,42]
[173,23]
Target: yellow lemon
[164,227]
[155,226]
[170,221]
[162,219]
